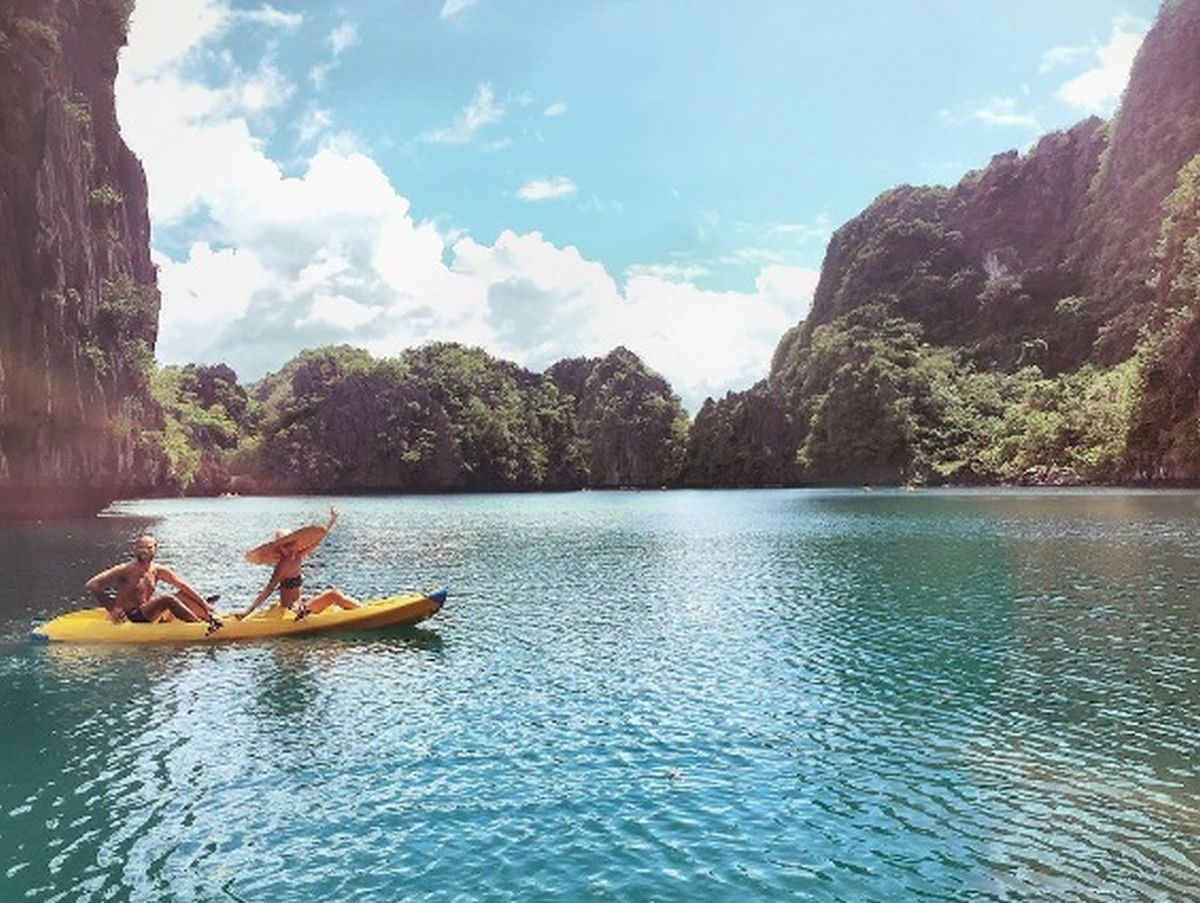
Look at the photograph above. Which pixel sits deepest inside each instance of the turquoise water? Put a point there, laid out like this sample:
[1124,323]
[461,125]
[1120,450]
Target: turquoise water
[629,696]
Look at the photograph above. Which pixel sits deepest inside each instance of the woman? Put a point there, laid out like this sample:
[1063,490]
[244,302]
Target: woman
[288,551]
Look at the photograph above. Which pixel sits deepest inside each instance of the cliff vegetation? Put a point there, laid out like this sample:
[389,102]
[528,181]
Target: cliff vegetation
[440,417]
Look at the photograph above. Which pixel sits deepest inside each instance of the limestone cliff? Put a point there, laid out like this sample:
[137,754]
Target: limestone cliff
[989,263]
[1041,315]
[633,429]
[1155,132]
[78,297]
[983,264]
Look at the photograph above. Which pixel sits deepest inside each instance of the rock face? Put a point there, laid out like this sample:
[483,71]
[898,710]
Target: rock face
[78,298]
[746,439]
[632,428]
[1156,131]
[983,264]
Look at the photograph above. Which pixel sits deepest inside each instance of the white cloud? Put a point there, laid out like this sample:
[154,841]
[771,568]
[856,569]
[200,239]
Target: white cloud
[330,251]
[1058,57]
[555,109]
[201,294]
[707,342]
[452,8]
[597,204]
[751,256]
[553,189]
[339,40]
[669,272]
[167,32]
[269,15]
[261,90]
[313,122]
[1099,89]
[819,230]
[481,110]
[342,38]
[707,224]
[547,302]
[170,31]
[1003,112]
[342,313]
[791,288]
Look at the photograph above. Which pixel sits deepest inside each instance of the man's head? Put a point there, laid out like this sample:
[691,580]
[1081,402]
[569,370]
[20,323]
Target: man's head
[144,548]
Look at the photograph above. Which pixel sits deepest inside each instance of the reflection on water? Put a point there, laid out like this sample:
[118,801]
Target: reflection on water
[629,695]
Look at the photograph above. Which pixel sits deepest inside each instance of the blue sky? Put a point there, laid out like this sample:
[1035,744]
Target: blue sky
[550,179]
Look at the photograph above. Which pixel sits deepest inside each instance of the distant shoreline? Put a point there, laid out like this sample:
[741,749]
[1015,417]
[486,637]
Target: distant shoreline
[98,504]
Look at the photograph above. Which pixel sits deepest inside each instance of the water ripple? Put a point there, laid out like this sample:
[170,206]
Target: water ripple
[631,695]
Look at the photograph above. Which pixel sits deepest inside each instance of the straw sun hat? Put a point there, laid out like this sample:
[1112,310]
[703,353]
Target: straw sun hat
[301,541]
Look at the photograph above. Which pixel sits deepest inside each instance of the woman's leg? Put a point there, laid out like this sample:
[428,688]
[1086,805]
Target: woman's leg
[322,601]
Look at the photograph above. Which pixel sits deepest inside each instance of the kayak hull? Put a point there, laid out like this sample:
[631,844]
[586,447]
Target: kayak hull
[93,625]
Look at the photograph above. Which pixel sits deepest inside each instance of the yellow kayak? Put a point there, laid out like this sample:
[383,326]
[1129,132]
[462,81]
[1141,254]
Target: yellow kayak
[93,625]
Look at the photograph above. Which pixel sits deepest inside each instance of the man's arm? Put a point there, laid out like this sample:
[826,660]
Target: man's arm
[102,581]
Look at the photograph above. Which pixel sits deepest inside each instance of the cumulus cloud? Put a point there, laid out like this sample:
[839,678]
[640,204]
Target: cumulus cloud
[705,341]
[481,110]
[553,189]
[1099,88]
[168,32]
[555,109]
[328,250]
[171,30]
[342,313]
[546,303]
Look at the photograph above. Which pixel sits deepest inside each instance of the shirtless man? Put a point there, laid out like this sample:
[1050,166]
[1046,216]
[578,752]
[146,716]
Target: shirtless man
[135,582]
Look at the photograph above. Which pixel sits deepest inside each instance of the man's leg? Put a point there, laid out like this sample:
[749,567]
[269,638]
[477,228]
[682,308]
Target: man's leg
[169,605]
[199,607]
